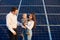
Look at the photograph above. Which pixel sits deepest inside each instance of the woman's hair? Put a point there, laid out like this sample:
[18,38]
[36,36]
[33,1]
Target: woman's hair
[34,19]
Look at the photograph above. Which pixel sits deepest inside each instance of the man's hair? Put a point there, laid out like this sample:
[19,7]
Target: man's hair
[13,9]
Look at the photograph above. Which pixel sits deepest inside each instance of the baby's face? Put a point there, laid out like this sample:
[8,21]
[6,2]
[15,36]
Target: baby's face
[24,15]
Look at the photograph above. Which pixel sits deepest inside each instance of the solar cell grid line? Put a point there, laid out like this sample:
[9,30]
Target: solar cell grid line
[19,7]
[36,14]
[36,25]
[29,5]
[47,20]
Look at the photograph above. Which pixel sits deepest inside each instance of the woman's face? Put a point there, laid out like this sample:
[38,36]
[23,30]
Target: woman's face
[30,17]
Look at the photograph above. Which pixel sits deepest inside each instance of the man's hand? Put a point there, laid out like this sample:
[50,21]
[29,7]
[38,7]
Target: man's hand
[14,33]
[25,25]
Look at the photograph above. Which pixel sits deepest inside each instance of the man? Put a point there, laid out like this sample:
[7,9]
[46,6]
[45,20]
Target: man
[11,22]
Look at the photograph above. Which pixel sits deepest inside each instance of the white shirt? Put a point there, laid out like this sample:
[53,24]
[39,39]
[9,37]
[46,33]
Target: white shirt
[11,21]
[30,24]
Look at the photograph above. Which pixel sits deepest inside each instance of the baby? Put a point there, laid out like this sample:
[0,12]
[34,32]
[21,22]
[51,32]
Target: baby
[24,20]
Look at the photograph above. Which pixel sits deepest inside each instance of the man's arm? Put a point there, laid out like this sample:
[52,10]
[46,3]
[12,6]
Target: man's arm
[20,24]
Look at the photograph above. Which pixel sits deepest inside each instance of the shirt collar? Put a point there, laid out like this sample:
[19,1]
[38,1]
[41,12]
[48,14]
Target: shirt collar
[12,14]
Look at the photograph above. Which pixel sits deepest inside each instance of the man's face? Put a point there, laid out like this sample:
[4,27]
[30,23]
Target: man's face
[24,15]
[16,12]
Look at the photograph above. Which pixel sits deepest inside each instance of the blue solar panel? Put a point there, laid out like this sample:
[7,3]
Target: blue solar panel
[9,2]
[27,6]
[53,9]
[52,2]
[29,9]
[55,31]
[30,2]
[55,19]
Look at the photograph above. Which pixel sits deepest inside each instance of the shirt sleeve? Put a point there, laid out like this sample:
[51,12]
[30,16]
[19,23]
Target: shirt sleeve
[9,26]
[20,24]
[30,25]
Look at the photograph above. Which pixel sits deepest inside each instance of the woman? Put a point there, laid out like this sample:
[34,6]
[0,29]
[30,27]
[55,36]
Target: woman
[30,25]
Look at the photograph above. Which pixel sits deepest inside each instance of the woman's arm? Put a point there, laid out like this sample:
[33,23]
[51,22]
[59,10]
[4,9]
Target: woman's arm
[30,25]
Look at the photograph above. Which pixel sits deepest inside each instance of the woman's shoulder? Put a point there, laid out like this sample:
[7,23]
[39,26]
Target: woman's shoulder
[31,21]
